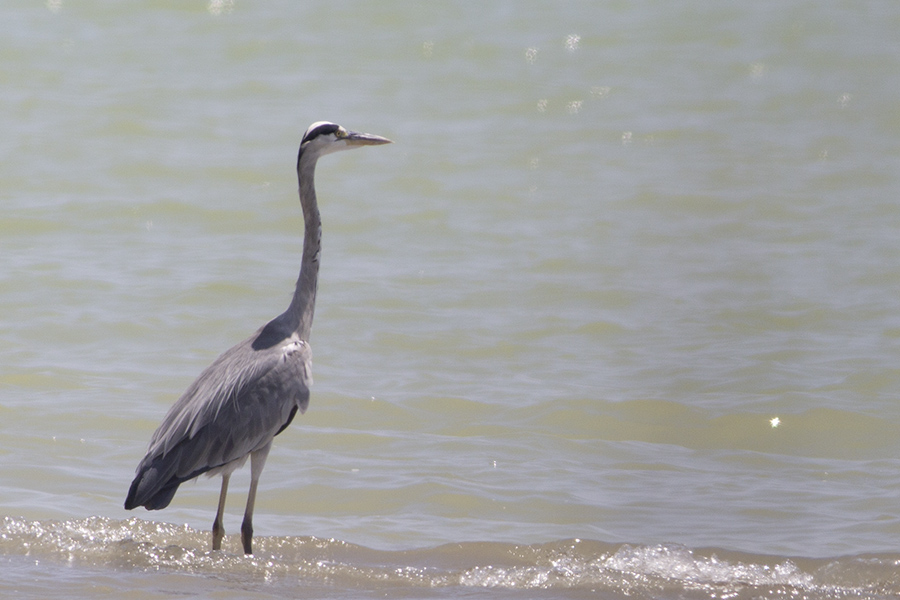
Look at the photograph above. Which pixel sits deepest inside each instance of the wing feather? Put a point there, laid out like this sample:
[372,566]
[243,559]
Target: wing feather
[236,405]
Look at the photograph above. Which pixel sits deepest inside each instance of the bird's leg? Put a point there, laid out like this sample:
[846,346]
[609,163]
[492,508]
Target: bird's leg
[218,528]
[257,462]
[247,525]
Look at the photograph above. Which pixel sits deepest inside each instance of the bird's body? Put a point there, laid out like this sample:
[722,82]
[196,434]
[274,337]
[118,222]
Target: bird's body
[250,393]
[235,407]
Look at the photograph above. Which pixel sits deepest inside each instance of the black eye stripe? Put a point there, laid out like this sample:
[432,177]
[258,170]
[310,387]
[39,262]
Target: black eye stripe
[323,129]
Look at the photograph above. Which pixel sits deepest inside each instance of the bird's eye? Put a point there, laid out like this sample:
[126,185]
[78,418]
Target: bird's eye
[340,133]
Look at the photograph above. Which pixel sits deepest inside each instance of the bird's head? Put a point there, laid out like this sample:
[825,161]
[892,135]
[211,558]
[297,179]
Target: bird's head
[323,138]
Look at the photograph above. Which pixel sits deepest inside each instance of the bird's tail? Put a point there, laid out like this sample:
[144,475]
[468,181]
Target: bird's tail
[152,489]
[158,478]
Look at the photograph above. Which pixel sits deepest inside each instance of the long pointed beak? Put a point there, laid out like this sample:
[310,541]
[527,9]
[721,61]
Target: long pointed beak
[365,139]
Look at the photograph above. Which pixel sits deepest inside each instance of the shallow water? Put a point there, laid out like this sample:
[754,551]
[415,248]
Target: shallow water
[108,558]
[628,276]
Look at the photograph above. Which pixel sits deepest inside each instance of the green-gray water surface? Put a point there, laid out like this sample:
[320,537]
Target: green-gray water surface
[618,314]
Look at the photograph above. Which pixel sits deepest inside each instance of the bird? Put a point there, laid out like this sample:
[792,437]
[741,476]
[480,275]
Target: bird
[251,392]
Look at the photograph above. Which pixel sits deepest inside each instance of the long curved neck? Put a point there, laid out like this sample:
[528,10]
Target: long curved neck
[303,305]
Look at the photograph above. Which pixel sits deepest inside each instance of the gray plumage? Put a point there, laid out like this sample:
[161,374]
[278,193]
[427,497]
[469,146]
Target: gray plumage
[249,394]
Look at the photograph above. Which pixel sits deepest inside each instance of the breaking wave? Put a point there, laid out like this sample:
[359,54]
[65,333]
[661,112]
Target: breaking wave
[570,568]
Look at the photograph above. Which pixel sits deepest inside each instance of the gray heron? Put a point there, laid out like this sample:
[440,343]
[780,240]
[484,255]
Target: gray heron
[250,393]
